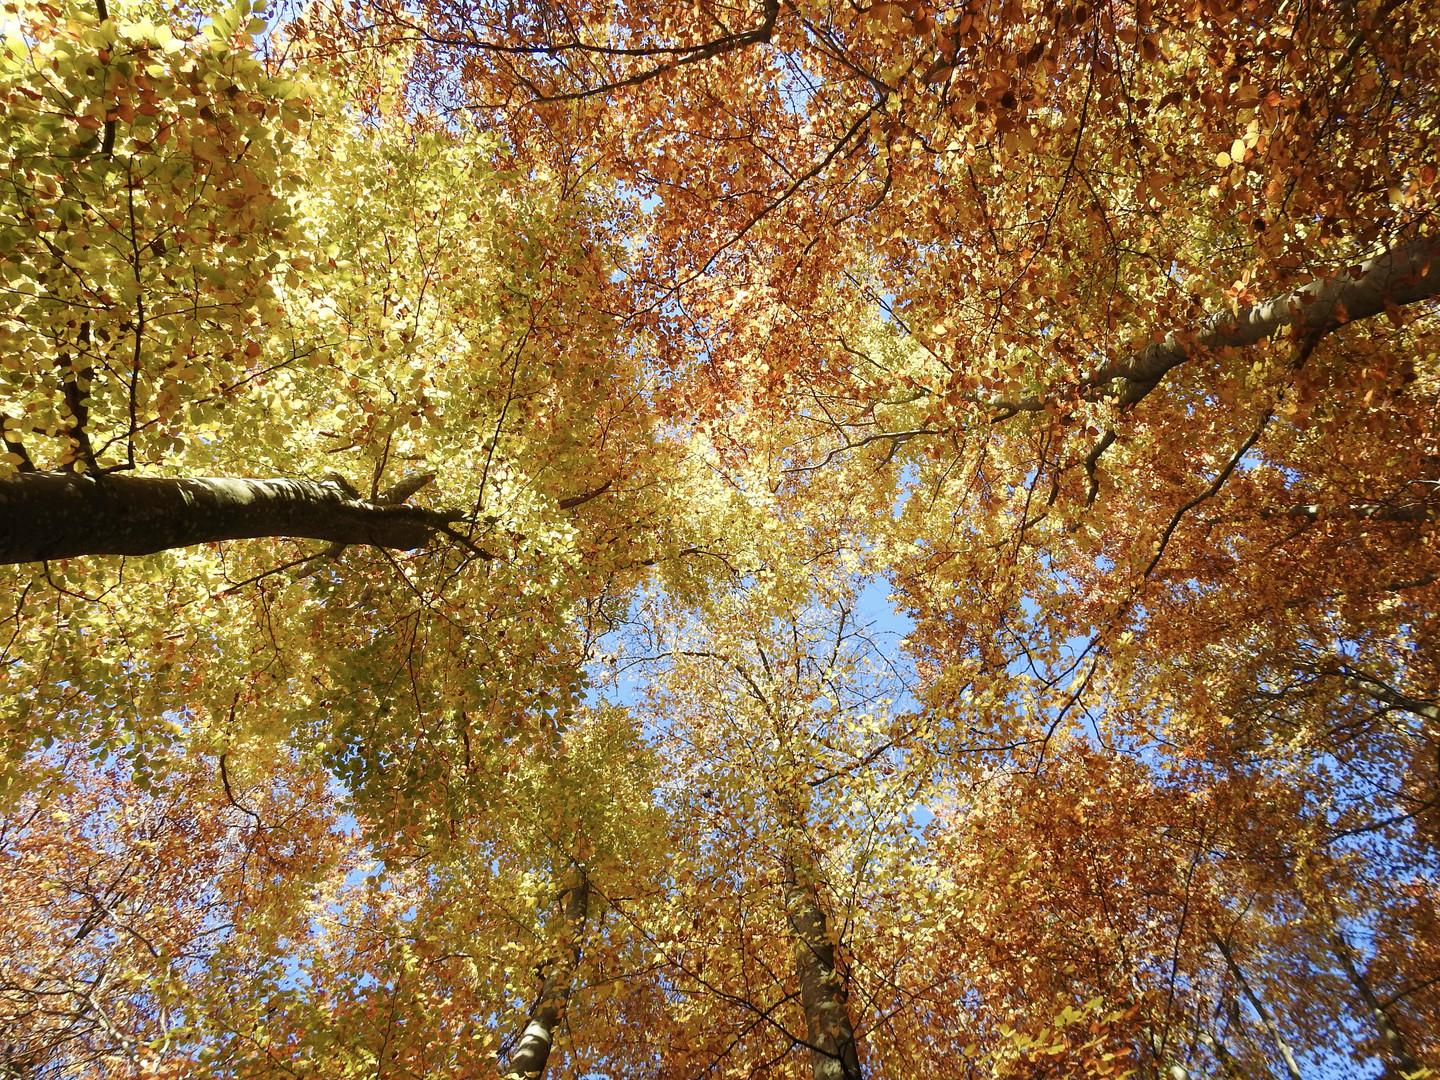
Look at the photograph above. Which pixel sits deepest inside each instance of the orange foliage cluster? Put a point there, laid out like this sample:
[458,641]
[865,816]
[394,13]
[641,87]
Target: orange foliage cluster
[1105,334]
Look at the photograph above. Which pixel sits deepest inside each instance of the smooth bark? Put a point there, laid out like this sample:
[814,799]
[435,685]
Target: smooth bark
[1395,1050]
[57,515]
[1380,692]
[831,1032]
[1221,1053]
[1287,1055]
[1407,274]
[533,1052]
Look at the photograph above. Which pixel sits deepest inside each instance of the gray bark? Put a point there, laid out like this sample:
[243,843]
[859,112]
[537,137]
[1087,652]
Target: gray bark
[831,1032]
[1221,1053]
[57,515]
[533,1053]
[1404,275]
[1380,692]
[1395,1050]
[1292,1068]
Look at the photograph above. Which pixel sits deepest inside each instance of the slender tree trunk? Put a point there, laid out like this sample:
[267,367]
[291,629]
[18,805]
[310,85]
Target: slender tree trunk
[833,1053]
[1286,1054]
[56,515]
[1221,1053]
[1395,1050]
[531,1055]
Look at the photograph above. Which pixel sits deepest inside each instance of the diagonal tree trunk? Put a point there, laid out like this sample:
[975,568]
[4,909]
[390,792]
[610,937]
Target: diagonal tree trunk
[1292,1068]
[833,1052]
[1402,1062]
[56,515]
[531,1055]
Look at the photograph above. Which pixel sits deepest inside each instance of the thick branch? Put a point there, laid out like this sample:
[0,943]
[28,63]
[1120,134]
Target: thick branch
[1358,680]
[403,488]
[10,432]
[580,500]
[1408,274]
[75,401]
[56,515]
[1366,511]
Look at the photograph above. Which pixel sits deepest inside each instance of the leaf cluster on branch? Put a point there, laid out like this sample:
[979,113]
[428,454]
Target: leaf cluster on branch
[746,539]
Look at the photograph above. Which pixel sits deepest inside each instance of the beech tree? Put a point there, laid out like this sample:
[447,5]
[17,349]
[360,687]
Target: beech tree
[190,309]
[453,450]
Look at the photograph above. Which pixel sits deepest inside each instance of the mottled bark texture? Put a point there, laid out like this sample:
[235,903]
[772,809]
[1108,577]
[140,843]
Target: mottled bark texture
[1407,274]
[831,1032]
[531,1055]
[56,515]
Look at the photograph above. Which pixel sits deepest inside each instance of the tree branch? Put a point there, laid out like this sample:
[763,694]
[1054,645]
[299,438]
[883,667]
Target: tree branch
[580,500]
[1367,511]
[8,429]
[56,515]
[897,439]
[1408,274]
[681,55]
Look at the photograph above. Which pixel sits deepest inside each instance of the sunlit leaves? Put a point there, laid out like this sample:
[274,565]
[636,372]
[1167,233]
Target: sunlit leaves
[778,301]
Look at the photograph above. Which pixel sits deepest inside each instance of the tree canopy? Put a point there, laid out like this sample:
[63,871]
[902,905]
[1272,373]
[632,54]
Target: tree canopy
[805,539]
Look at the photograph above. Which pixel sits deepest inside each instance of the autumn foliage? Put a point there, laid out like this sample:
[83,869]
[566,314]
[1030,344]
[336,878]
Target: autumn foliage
[804,539]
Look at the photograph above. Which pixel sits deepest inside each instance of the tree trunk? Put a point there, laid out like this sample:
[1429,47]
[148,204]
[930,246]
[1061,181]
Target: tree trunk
[528,1061]
[56,515]
[1229,1067]
[1395,1050]
[1287,1055]
[833,1053]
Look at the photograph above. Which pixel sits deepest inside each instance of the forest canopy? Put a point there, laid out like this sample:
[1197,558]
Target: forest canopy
[803,539]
